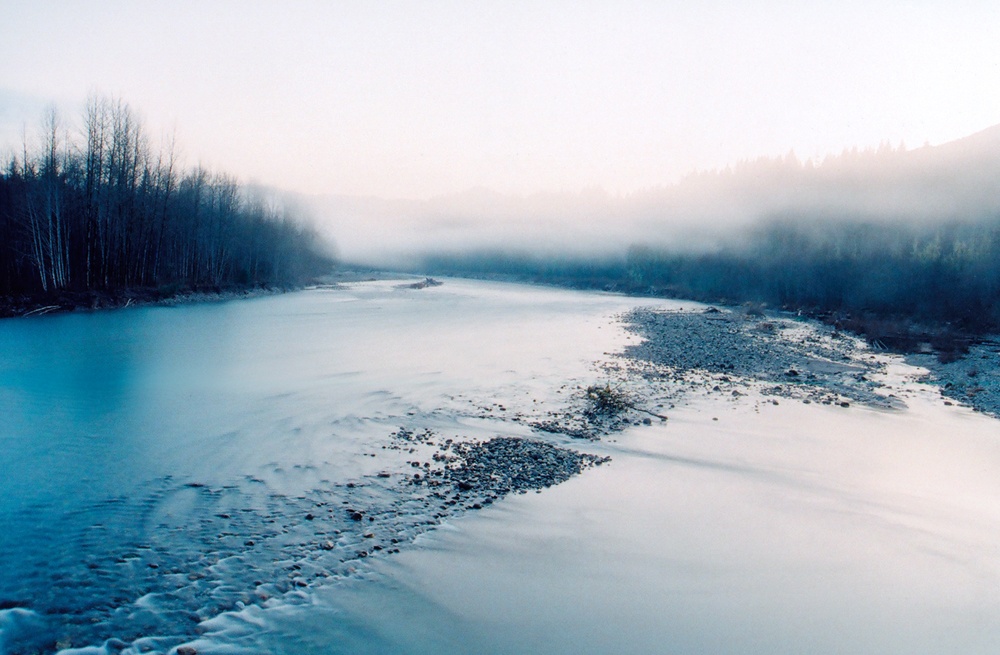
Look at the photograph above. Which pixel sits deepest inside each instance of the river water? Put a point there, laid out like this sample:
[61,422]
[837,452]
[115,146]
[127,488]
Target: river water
[179,476]
[158,463]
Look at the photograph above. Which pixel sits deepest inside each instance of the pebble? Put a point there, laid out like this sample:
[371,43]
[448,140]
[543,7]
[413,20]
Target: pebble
[682,348]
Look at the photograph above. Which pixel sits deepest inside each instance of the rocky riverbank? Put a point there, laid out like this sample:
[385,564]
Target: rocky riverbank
[726,352]
[972,380]
[734,355]
[747,355]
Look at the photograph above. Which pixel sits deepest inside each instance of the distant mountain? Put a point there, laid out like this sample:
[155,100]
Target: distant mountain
[982,146]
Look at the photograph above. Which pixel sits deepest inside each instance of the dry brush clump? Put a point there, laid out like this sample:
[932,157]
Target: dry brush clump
[607,401]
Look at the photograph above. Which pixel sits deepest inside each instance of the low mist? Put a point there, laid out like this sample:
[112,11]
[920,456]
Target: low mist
[702,213]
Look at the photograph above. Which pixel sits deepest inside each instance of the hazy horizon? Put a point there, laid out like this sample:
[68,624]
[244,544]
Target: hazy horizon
[701,212]
[425,101]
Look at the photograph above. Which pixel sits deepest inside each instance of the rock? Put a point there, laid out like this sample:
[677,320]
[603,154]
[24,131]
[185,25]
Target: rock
[187,650]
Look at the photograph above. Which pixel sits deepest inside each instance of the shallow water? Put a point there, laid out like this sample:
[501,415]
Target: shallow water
[159,462]
[176,436]
[775,529]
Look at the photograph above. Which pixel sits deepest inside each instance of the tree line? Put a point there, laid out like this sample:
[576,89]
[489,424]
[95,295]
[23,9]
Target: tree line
[941,273]
[876,277]
[897,244]
[102,210]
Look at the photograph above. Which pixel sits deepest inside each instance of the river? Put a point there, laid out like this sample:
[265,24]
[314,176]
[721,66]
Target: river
[186,477]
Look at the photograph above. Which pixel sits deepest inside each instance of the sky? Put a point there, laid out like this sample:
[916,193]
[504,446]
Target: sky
[418,100]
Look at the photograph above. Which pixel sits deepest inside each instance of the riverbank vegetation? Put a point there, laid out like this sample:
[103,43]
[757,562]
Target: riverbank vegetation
[902,246]
[900,284]
[884,280]
[97,211]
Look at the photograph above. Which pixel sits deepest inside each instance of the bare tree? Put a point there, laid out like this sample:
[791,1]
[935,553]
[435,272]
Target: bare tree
[108,212]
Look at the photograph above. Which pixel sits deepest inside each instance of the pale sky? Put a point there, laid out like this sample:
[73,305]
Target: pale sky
[419,99]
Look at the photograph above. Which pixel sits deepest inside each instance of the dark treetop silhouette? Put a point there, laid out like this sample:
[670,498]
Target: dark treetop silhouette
[104,212]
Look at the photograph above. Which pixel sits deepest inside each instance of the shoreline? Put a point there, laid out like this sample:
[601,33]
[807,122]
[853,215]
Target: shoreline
[896,333]
[972,380]
[62,302]
[964,365]
[735,356]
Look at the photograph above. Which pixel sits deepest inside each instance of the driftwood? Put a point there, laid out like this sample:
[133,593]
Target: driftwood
[38,311]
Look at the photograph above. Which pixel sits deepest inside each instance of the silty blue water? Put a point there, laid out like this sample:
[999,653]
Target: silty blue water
[162,465]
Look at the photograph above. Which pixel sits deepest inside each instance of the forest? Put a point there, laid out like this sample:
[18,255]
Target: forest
[98,209]
[898,283]
[900,245]
[943,274]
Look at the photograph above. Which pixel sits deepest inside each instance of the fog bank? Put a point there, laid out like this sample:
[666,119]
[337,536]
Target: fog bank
[702,213]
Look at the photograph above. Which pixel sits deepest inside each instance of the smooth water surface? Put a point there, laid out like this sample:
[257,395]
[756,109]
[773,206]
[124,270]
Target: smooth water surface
[774,529]
[157,462]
